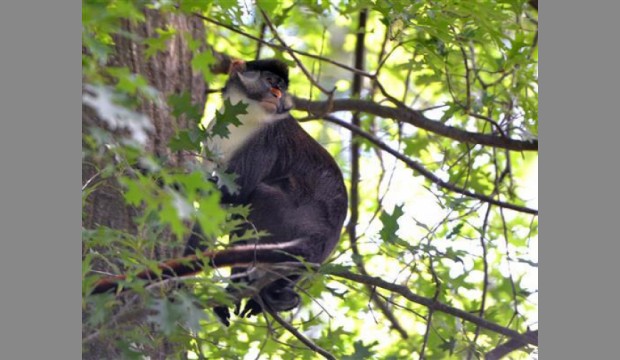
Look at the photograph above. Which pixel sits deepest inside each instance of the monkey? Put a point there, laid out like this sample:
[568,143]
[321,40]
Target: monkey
[293,186]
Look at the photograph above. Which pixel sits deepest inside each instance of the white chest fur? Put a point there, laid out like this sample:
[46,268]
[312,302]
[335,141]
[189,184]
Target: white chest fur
[256,117]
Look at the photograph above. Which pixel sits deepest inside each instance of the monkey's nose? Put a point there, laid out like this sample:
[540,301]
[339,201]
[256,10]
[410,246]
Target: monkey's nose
[276,92]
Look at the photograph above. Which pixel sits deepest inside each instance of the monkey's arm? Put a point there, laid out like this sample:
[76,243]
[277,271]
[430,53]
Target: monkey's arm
[252,167]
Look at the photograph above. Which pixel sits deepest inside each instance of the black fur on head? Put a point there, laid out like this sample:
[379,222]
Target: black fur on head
[275,66]
[264,81]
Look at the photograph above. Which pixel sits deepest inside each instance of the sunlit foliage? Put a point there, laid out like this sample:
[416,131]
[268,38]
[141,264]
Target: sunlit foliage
[471,65]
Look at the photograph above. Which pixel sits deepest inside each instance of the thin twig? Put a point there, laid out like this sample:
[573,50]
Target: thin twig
[259,44]
[426,173]
[508,347]
[491,121]
[467,79]
[485,281]
[508,262]
[301,337]
[295,58]
[429,318]
[526,338]
[280,47]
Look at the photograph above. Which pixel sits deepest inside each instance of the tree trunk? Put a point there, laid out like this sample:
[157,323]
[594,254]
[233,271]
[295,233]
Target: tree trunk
[170,72]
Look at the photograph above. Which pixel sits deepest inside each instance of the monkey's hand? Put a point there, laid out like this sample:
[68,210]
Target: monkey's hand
[223,314]
[252,307]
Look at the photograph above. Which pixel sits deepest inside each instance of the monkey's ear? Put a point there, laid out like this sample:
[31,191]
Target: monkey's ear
[236,66]
[249,79]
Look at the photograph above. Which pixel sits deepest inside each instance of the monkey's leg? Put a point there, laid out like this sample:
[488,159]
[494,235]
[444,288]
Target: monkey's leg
[195,241]
[222,312]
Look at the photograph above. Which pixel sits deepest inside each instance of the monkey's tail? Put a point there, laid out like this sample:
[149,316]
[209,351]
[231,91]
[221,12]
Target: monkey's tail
[243,255]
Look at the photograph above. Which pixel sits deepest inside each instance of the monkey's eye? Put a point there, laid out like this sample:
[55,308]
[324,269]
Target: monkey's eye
[272,81]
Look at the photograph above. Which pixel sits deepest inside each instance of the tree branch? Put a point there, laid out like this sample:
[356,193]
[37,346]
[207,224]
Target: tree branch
[404,114]
[290,51]
[401,113]
[259,44]
[134,310]
[301,337]
[485,279]
[414,118]
[508,347]
[356,90]
[527,338]
[284,48]
[426,173]
[284,269]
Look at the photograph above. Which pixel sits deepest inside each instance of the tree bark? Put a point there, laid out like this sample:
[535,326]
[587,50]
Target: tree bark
[170,72]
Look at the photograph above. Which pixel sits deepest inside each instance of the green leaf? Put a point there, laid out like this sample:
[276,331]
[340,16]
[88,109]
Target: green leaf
[131,83]
[269,6]
[129,350]
[279,19]
[202,62]
[192,314]
[134,194]
[183,141]
[173,210]
[188,6]
[229,116]
[448,345]
[390,224]
[414,146]
[210,214]
[167,315]
[455,231]
[99,309]
[332,267]
[193,183]
[361,351]
[455,255]
[228,181]
[159,43]
[126,9]
[182,105]
[449,113]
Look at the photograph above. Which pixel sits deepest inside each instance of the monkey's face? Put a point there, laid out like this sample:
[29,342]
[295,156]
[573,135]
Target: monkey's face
[261,85]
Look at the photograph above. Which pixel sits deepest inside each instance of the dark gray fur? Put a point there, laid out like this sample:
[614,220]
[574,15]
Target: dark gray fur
[293,185]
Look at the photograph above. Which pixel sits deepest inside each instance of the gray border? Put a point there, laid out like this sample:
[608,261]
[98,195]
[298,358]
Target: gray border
[40,183]
[579,214]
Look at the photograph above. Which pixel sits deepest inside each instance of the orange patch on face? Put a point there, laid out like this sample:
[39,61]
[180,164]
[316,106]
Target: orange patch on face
[276,92]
